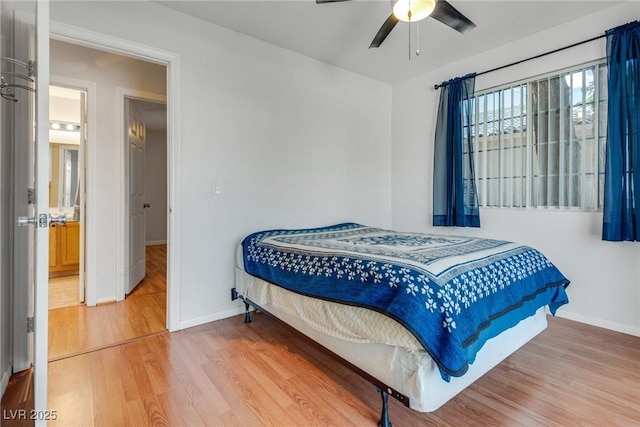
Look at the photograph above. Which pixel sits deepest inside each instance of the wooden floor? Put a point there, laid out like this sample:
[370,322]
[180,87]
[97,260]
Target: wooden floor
[77,329]
[64,292]
[228,373]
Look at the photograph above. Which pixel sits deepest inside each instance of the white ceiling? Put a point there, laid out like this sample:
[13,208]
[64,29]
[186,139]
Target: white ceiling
[340,33]
[154,114]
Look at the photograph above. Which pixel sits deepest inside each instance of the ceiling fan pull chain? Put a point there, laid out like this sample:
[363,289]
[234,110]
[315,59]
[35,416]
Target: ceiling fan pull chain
[409,34]
[418,38]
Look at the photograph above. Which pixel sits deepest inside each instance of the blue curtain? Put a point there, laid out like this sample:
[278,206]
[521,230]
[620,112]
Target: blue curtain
[455,200]
[622,167]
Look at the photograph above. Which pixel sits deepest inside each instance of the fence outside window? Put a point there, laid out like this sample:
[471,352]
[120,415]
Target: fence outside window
[540,143]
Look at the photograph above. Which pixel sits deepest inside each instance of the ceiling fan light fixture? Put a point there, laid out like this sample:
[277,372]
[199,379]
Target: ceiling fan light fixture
[412,10]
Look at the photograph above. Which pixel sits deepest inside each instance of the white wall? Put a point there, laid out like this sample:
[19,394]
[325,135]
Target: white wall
[294,142]
[605,276]
[108,72]
[155,186]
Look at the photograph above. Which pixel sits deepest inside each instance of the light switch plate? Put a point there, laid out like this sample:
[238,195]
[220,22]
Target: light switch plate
[217,188]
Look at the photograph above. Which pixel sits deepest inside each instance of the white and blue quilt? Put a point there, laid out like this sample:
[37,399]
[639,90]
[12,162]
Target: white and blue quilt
[452,292]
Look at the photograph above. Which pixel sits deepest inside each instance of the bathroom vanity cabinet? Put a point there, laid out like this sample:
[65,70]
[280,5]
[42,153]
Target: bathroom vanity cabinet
[64,249]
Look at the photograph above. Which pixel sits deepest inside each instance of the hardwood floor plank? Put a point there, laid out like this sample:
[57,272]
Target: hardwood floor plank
[510,395]
[107,387]
[159,414]
[241,399]
[191,405]
[136,413]
[230,419]
[251,394]
[242,359]
[339,409]
[63,291]
[184,407]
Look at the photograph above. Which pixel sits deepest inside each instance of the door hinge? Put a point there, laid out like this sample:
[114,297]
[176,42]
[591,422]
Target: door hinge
[31,67]
[30,323]
[31,196]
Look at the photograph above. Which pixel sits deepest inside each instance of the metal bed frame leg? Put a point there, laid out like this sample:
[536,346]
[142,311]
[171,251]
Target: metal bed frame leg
[247,315]
[384,417]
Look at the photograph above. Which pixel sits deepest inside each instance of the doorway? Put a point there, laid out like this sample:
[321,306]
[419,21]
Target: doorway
[67,132]
[145,180]
[110,319]
[171,63]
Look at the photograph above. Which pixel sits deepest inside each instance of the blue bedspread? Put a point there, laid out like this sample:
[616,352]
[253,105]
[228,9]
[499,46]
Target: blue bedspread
[446,290]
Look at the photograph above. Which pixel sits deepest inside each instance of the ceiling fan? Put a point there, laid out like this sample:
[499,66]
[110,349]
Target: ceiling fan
[416,10]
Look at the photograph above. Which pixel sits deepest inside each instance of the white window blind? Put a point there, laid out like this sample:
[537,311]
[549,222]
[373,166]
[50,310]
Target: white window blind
[540,142]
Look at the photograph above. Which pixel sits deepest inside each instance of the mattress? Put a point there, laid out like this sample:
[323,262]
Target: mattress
[453,293]
[379,345]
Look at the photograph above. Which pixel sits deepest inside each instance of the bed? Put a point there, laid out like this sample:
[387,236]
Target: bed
[421,316]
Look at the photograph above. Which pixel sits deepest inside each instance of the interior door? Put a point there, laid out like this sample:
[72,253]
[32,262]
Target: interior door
[136,137]
[23,176]
[31,201]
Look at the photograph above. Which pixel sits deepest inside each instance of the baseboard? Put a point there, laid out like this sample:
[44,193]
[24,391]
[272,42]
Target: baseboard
[106,300]
[211,318]
[618,327]
[156,242]
[6,375]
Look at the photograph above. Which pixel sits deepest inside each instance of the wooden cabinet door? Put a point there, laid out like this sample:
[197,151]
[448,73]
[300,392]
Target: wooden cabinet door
[64,249]
[70,245]
[53,247]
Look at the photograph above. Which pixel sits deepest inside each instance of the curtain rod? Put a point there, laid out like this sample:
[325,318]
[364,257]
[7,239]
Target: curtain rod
[438,86]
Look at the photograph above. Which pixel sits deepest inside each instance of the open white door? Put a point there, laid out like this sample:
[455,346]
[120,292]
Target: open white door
[31,203]
[136,137]
[23,177]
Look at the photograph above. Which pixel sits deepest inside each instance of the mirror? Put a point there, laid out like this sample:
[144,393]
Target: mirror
[63,187]
[65,117]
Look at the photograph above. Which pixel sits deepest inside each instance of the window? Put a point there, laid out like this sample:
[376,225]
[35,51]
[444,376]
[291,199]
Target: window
[540,143]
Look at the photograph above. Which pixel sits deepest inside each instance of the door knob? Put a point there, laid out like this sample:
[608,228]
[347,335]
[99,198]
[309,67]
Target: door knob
[24,221]
[57,220]
[42,220]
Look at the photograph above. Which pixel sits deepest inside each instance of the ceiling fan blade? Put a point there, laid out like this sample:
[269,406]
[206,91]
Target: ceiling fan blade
[384,31]
[329,1]
[450,16]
